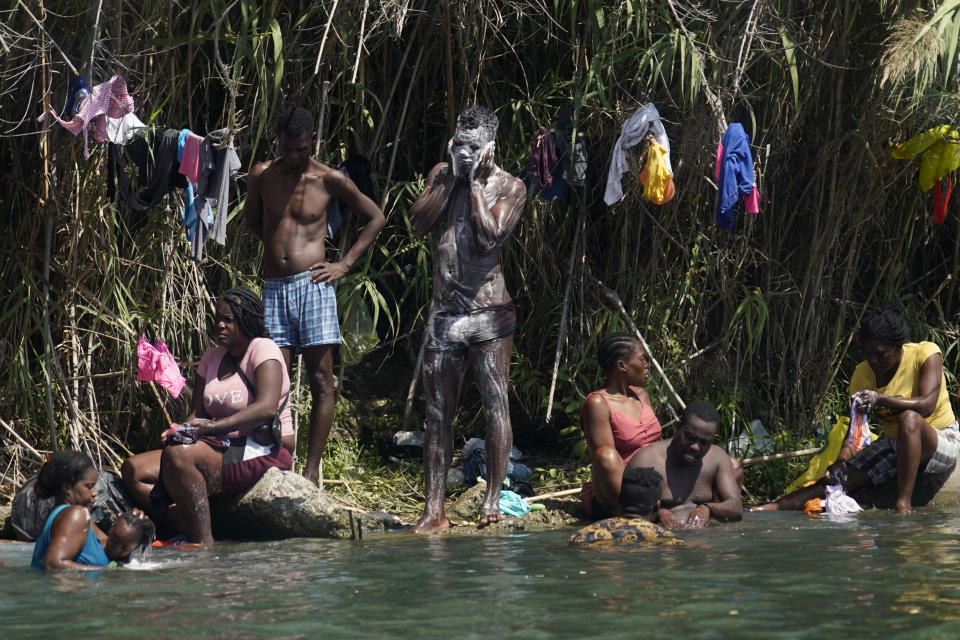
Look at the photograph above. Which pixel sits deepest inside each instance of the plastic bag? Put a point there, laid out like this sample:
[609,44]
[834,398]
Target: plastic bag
[357,331]
[29,512]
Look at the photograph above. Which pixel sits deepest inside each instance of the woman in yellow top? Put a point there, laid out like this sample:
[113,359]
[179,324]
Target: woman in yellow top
[903,384]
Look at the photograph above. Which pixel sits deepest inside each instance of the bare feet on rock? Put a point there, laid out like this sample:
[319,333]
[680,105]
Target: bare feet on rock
[312,475]
[489,518]
[429,522]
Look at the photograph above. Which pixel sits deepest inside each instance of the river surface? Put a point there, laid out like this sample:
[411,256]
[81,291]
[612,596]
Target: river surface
[774,575]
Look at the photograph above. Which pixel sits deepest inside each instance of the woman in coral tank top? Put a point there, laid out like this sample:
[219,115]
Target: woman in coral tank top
[617,421]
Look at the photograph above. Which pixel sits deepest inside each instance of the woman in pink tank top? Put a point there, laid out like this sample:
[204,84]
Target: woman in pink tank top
[617,421]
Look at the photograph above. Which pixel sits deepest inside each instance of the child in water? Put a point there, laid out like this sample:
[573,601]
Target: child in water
[70,539]
[639,499]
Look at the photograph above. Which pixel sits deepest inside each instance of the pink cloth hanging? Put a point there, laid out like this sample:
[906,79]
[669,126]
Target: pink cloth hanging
[155,362]
[190,160]
[751,203]
[107,99]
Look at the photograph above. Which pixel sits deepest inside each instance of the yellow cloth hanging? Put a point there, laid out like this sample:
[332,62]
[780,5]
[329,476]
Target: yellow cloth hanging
[940,149]
[657,180]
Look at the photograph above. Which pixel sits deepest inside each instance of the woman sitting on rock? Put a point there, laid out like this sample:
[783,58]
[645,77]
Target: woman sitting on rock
[903,384]
[617,421]
[230,438]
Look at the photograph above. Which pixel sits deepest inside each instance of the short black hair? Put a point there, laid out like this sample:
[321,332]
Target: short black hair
[64,467]
[144,527]
[294,122]
[640,491]
[478,117]
[703,410]
[247,308]
[885,324]
[613,348]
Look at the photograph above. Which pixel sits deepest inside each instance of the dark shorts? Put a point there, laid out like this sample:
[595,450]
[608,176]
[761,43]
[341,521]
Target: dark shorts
[879,459]
[238,475]
[455,331]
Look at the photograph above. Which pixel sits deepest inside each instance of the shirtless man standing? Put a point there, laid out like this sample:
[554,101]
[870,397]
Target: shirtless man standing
[286,207]
[471,205]
[699,479]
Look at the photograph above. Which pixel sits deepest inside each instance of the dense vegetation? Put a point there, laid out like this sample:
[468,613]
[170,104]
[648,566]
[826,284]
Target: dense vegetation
[759,320]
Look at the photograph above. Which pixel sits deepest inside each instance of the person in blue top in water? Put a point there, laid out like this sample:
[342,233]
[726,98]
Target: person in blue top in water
[70,539]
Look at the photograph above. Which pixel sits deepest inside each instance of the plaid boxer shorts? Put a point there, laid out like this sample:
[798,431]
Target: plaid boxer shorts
[879,460]
[299,312]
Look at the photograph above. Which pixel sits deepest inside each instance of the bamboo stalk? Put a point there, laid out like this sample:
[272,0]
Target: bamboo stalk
[326,32]
[780,456]
[555,494]
[612,295]
[363,26]
[39,456]
[47,233]
[396,139]
[448,65]
[563,318]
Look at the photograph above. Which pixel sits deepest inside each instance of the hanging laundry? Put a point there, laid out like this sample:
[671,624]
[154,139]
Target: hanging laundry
[216,177]
[154,162]
[645,120]
[123,130]
[939,151]
[196,215]
[572,161]
[540,162]
[190,154]
[657,182]
[357,168]
[734,173]
[76,94]
[107,99]
[155,362]
[941,197]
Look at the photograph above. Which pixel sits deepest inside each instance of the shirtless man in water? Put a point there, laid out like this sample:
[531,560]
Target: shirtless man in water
[471,205]
[699,479]
[286,207]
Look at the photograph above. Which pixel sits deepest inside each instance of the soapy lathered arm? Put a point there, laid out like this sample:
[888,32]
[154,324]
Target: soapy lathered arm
[428,206]
[494,223]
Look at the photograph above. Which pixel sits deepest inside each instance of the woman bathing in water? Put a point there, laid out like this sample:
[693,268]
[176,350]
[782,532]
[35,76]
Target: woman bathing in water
[228,441]
[617,421]
[70,539]
[903,384]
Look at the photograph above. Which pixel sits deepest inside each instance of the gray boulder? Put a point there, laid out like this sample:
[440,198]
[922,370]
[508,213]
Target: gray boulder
[284,504]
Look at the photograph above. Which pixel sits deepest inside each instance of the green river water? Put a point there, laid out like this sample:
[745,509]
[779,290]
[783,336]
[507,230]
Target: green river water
[774,575]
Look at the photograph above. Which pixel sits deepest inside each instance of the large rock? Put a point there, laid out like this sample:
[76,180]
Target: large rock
[936,489]
[6,529]
[284,504]
[466,508]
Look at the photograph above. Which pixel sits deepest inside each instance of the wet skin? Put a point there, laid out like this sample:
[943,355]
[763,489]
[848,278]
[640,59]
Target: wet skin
[286,207]
[470,211]
[699,478]
[72,525]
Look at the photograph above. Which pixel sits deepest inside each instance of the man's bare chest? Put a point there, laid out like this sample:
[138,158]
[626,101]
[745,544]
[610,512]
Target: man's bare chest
[304,200]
